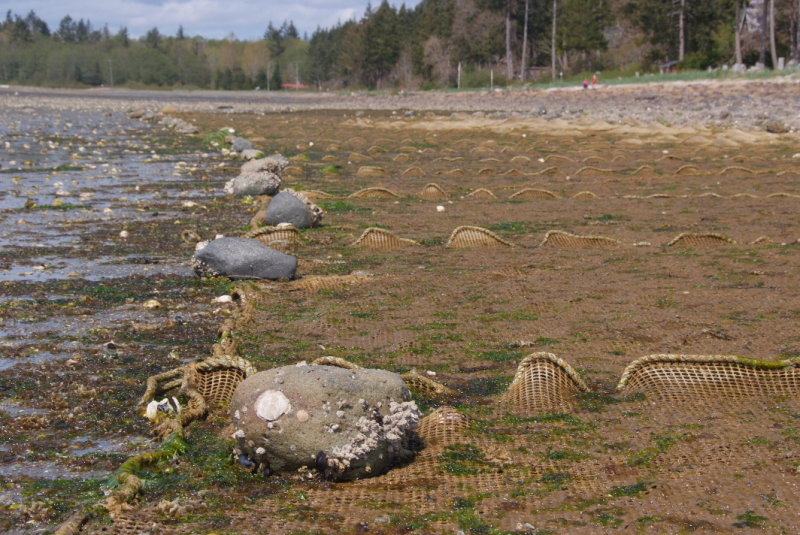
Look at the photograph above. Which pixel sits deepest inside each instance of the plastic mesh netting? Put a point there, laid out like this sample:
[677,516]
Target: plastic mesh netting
[317,195]
[533,193]
[378,238]
[374,193]
[467,236]
[692,239]
[443,426]
[543,382]
[565,240]
[433,192]
[129,525]
[217,386]
[325,282]
[268,235]
[481,193]
[706,377]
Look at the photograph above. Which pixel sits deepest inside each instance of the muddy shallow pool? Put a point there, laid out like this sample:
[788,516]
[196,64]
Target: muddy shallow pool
[92,205]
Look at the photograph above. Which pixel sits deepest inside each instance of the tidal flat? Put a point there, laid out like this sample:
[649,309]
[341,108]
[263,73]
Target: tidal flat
[677,236]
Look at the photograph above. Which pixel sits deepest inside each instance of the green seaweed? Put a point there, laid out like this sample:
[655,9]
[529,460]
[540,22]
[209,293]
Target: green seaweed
[461,459]
[339,206]
[630,490]
[750,519]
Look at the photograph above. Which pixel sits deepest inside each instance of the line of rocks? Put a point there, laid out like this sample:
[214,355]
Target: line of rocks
[339,423]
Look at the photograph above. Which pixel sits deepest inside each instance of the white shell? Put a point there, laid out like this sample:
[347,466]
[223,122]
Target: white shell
[271,405]
[151,411]
[302,415]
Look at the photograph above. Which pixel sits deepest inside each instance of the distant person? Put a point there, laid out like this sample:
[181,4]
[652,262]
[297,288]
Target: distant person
[586,84]
[594,80]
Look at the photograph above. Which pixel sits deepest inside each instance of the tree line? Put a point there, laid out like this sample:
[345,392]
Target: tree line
[78,54]
[438,43]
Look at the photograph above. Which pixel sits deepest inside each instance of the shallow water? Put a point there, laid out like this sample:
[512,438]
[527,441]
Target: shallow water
[42,470]
[76,340]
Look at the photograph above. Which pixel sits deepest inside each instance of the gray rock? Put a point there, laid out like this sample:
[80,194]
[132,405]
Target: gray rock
[346,423]
[263,183]
[243,258]
[776,127]
[273,164]
[290,206]
[258,177]
[240,144]
[179,125]
[186,128]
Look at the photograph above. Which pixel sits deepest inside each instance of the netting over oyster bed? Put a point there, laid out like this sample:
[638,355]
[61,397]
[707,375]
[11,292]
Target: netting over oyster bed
[513,353]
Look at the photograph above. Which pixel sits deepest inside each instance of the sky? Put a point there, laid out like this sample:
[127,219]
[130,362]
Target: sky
[213,19]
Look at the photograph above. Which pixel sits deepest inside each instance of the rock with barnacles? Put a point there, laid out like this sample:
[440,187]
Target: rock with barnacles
[258,177]
[243,258]
[347,424]
[293,207]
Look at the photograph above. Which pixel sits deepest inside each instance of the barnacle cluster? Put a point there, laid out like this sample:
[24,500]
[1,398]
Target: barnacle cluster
[374,432]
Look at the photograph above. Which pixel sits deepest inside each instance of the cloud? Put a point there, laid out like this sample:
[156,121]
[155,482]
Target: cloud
[214,19]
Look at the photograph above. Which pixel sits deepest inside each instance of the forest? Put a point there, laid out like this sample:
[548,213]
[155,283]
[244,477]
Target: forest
[437,44]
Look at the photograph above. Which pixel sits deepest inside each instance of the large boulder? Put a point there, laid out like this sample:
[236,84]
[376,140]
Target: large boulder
[293,207]
[258,177]
[345,423]
[243,258]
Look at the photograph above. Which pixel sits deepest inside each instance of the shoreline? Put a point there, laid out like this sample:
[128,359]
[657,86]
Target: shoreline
[738,103]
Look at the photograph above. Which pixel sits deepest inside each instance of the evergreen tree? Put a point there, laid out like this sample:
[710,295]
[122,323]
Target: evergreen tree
[275,40]
[67,30]
[277,79]
[152,38]
[381,44]
[37,25]
[82,31]
[291,31]
[20,33]
[122,37]
[582,23]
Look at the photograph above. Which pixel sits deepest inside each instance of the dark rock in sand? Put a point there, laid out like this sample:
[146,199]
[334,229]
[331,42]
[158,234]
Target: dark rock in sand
[243,258]
[293,207]
[240,144]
